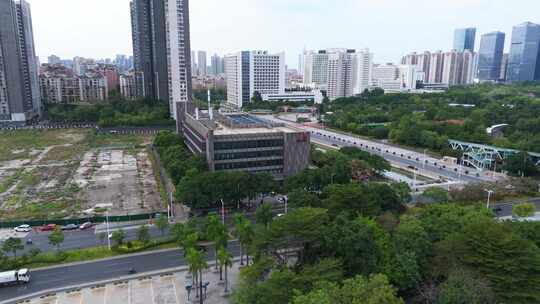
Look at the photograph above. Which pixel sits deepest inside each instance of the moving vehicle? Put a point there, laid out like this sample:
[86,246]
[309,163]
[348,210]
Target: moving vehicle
[21,276]
[70,227]
[86,225]
[23,228]
[49,227]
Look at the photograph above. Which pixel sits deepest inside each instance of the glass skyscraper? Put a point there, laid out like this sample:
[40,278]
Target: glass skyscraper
[490,56]
[464,39]
[524,61]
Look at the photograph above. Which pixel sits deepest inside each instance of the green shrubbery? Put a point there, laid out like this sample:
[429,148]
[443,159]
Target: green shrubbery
[429,120]
[116,113]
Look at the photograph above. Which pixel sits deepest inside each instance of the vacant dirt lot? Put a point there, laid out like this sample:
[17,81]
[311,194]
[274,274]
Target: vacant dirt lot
[59,173]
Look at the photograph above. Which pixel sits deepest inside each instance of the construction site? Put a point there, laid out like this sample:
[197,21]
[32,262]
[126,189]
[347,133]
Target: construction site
[76,173]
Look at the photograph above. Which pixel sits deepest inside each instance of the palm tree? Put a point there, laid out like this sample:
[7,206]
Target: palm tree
[248,236]
[239,220]
[225,261]
[197,264]
[189,242]
[214,230]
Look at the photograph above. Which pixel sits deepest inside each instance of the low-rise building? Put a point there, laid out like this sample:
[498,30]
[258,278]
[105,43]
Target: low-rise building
[315,96]
[128,86]
[243,142]
[58,84]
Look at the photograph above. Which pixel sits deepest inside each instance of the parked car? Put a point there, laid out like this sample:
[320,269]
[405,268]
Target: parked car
[49,227]
[23,228]
[70,227]
[86,225]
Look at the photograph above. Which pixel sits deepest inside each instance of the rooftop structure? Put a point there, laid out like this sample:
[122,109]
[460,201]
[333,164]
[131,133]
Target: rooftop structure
[243,142]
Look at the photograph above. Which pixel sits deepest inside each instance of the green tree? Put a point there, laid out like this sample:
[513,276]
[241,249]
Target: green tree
[302,198]
[197,264]
[225,262]
[262,283]
[240,226]
[462,287]
[143,234]
[436,195]
[359,243]
[490,249]
[118,237]
[215,231]
[520,165]
[162,223]
[257,98]
[56,238]
[263,215]
[358,290]
[12,245]
[524,210]
[412,246]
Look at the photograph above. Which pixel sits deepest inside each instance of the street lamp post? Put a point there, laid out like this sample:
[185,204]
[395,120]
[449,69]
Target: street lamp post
[489,192]
[108,230]
[424,162]
[285,200]
[222,212]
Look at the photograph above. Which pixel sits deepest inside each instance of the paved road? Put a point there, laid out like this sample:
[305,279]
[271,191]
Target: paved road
[403,157]
[78,239]
[65,276]
[505,209]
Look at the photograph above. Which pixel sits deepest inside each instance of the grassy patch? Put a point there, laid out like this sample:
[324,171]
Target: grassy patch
[53,258]
[64,153]
[29,179]
[36,140]
[157,175]
[10,181]
[117,140]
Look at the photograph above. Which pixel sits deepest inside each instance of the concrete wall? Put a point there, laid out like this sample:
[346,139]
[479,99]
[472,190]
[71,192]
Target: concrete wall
[296,150]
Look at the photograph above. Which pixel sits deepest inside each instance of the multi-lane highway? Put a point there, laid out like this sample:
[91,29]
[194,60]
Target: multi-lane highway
[76,239]
[424,163]
[80,239]
[73,275]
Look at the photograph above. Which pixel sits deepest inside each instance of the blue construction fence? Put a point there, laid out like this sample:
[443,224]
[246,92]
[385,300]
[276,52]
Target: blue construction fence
[79,221]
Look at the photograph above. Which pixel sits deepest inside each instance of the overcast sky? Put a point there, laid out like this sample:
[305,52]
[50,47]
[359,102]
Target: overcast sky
[390,28]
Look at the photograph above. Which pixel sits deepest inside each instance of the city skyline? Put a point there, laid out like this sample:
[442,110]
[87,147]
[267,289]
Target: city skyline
[266,31]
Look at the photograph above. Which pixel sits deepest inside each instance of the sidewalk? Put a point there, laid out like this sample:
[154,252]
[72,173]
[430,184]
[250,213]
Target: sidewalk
[166,287]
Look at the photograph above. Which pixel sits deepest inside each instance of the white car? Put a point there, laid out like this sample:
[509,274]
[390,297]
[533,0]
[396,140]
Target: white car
[23,228]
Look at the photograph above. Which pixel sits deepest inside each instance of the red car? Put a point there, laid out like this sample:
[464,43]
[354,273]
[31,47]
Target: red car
[49,227]
[86,225]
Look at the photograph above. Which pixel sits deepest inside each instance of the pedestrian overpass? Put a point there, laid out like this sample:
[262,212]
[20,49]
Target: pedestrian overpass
[483,156]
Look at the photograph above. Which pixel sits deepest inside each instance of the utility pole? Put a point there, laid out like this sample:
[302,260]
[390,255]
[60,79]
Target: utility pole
[108,230]
[489,192]
[222,212]
[424,162]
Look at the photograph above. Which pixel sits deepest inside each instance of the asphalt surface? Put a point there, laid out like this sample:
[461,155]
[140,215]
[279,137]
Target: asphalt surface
[64,276]
[78,239]
[505,209]
[394,155]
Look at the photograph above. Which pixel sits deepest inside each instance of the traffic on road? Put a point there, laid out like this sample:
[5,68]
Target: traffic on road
[395,155]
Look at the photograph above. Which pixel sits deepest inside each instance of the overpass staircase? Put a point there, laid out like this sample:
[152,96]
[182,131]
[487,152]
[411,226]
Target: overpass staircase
[484,156]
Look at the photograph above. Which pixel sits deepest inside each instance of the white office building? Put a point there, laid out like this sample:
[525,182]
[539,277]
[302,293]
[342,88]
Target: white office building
[363,69]
[342,72]
[348,71]
[248,72]
[315,68]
